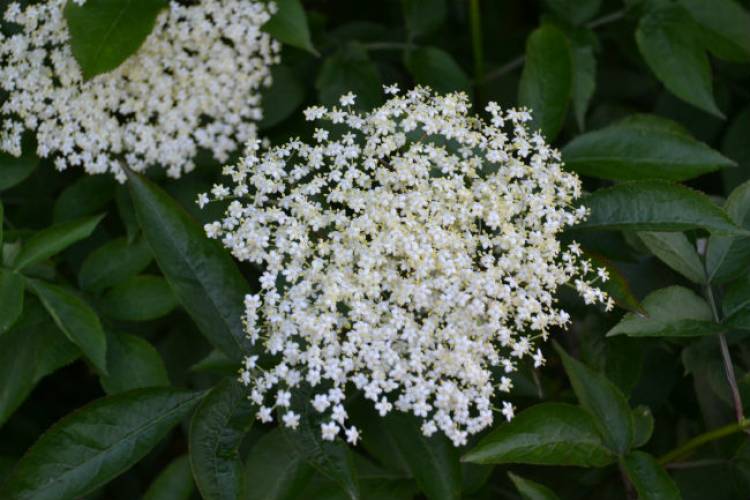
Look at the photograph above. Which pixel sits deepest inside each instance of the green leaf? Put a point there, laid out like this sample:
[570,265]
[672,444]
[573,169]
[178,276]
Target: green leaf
[727,256]
[654,206]
[350,69]
[333,459]
[545,434]
[724,25]
[87,196]
[643,425]
[30,351]
[132,363]
[736,302]
[175,482]
[140,298]
[93,445]
[670,43]
[669,312]
[14,170]
[649,479]
[547,79]
[203,276]
[423,16]
[437,69]
[433,461]
[282,97]
[113,263]
[676,251]
[275,470]
[55,239]
[612,414]
[584,79]
[11,298]
[216,432]
[642,147]
[289,25]
[76,319]
[575,12]
[529,490]
[103,33]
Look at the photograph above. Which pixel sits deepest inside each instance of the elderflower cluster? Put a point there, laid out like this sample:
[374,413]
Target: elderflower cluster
[410,252]
[194,83]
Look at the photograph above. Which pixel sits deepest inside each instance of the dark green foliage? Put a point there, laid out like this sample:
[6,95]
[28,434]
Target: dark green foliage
[121,324]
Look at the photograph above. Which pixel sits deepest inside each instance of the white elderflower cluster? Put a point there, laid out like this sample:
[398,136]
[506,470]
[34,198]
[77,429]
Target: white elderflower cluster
[410,252]
[192,84]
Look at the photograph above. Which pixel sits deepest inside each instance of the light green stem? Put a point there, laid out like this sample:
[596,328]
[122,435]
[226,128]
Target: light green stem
[702,439]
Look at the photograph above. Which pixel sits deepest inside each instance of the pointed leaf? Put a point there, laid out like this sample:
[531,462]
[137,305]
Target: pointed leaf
[350,69]
[76,320]
[643,425]
[676,251]
[87,196]
[423,16]
[655,206]
[54,239]
[140,298]
[575,11]
[216,432]
[604,400]
[113,263]
[203,276]
[736,303]
[11,298]
[30,351]
[14,170]
[649,479]
[275,470]
[584,79]
[545,434]
[103,33]
[529,490]
[132,363]
[546,81]
[175,482]
[727,256]
[97,443]
[724,25]
[289,25]
[670,43]
[437,69]
[642,147]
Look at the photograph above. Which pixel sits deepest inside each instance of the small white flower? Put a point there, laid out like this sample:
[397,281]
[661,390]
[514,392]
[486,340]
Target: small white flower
[264,414]
[352,435]
[291,419]
[508,411]
[329,430]
[347,99]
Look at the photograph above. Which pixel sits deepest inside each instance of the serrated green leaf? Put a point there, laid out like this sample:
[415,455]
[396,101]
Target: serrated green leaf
[282,98]
[289,25]
[643,425]
[724,26]
[54,239]
[547,79]
[545,434]
[103,33]
[727,256]
[612,414]
[674,311]
[437,69]
[113,263]
[422,17]
[140,298]
[175,482]
[676,251]
[14,170]
[216,432]
[275,470]
[30,351]
[11,298]
[203,276]
[575,12]
[433,461]
[669,41]
[654,206]
[649,479]
[132,363]
[76,320]
[529,490]
[642,147]
[97,443]
[350,69]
